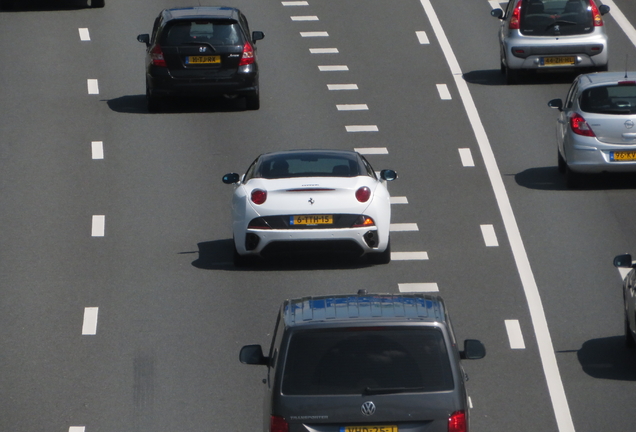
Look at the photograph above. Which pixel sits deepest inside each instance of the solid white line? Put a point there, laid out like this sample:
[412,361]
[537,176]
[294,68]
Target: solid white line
[371,150]
[399,200]
[295,3]
[495,4]
[84,34]
[418,287]
[352,107]
[304,18]
[97,148]
[467,157]
[361,128]
[77,429]
[470,402]
[621,20]
[421,36]
[514,334]
[314,34]
[323,50]
[99,224]
[93,87]
[342,86]
[89,327]
[406,256]
[544,341]
[333,68]
[490,238]
[443,91]
[396,227]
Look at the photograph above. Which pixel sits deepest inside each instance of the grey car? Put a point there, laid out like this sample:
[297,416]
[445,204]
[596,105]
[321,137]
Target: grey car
[595,129]
[364,363]
[629,298]
[550,36]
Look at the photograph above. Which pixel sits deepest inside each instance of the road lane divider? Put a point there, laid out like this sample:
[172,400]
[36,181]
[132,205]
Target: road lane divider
[89,326]
[97,149]
[398,227]
[98,226]
[372,150]
[466,157]
[84,34]
[305,18]
[399,200]
[336,87]
[515,337]
[314,34]
[323,50]
[418,287]
[93,86]
[352,107]
[443,91]
[295,3]
[361,128]
[422,37]
[408,256]
[490,238]
[333,68]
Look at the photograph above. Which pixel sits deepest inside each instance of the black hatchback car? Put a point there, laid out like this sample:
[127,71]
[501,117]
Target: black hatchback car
[364,363]
[201,52]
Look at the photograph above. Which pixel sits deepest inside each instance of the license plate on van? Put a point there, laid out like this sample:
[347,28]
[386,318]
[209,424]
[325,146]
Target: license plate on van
[369,428]
[557,61]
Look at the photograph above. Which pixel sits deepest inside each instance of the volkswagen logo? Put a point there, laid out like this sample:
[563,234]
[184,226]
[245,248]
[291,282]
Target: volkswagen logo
[368,408]
[202,49]
[629,124]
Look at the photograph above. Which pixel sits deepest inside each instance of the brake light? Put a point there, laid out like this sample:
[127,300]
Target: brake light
[363,194]
[278,424]
[258,223]
[248,55]
[457,422]
[596,15]
[579,125]
[258,196]
[627,83]
[514,20]
[156,56]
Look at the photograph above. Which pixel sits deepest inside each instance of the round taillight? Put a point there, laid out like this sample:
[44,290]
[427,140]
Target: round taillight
[258,196]
[363,194]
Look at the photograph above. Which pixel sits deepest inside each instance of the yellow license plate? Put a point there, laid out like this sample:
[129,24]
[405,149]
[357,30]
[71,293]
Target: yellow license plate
[558,61]
[623,156]
[203,59]
[369,428]
[312,220]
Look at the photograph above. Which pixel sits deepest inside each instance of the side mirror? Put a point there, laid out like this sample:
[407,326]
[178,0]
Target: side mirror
[253,355]
[473,350]
[257,35]
[388,175]
[497,13]
[556,103]
[231,178]
[603,9]
[144,38]
[624,260]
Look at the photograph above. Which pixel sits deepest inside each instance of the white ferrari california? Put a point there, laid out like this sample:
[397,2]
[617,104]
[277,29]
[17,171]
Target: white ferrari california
[311,201]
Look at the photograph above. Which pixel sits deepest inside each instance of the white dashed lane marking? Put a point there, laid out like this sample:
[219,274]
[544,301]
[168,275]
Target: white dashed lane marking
[399,200]
[97,149]
[490,238]
[77,429]
[323,50]
[333,68]
[89,327]
[352,107]
[295,3]
[342,86]
[514,334]
[314,34]
[418,287]
[466,157]
[84,34]
[372,150]
[495,4]
[305,18]
[98,226]
[443,91]
[361,128]
[396,227]
[93,87]
[406,256]
[421,36]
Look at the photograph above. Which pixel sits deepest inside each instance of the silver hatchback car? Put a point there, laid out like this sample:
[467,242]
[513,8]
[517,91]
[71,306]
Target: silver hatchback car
[595,128]
[551,35]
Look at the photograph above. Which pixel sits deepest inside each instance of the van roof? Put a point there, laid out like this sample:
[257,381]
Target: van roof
[364,307]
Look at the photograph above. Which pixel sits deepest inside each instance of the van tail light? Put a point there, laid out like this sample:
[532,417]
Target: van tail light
[596,15]
[156,56]
[363,194]
[579,125]
[514,20]
[248,55]
[278,424]
[457,422]
[258,196]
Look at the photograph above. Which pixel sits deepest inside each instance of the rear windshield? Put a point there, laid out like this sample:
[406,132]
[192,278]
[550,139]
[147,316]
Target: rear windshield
[614,99]
[211,32]
[308,165]
[556,17]
[366,360]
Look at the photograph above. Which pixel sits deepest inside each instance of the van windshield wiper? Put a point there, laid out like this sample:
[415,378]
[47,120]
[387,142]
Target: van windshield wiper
[389,390]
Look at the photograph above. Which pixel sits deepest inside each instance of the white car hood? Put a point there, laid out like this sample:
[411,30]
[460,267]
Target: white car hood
[310,195]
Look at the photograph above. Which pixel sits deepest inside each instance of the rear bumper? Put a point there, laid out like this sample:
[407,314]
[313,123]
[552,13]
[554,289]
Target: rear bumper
[589,155]
[160,83]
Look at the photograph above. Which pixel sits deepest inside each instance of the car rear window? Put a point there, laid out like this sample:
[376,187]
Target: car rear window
[612,99]
[308,165]
[366,360]
[556,17]
[202,31]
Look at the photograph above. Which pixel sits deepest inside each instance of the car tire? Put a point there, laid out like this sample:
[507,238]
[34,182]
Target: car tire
[253,102]
[383,257]
[629,338]
[561,164]
[512,76]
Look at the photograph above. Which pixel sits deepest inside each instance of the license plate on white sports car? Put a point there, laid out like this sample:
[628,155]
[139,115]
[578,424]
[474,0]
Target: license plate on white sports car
[311,220]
